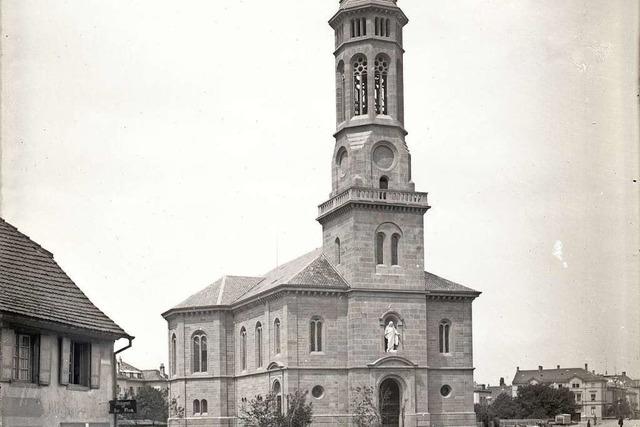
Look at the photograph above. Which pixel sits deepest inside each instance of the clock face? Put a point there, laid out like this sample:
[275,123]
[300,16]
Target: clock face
[383,157]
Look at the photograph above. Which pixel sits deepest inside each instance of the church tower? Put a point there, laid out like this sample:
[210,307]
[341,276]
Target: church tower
[373,222]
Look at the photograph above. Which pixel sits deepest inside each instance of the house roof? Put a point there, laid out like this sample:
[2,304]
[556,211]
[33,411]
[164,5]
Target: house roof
[557,376]
[152,375]
[32,284]
[311,270]
[124,366]
[438,284]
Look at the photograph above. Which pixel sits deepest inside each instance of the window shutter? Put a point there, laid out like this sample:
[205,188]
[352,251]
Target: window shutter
[96,355]
[8,350]
[46,347]
[65,354]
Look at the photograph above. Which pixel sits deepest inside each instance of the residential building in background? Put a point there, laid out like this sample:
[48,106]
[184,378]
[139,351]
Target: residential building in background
[359,311]
[56,347]
[132,379]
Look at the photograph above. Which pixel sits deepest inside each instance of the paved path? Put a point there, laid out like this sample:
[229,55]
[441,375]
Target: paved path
[613,423]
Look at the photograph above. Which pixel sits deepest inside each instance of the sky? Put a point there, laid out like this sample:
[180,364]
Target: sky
[155,145]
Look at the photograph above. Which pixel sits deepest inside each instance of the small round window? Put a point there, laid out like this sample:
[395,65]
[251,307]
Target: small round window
[445,390]
[317,392]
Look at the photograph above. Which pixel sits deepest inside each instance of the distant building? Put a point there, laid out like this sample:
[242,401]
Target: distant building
[485,393]
[132,379]
[622,387]
[56,347]
[589,389]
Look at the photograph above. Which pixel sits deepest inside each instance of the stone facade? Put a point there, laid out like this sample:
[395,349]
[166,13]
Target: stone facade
[322,322]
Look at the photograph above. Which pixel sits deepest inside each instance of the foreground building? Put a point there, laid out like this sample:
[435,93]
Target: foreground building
[56,347]
[360,310]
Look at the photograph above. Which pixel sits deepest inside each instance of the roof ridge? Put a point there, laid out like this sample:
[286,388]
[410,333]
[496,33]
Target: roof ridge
[304,267]
[34,243]
[334,269]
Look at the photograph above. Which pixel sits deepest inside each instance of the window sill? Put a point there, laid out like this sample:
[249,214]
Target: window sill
[77,387]
[317,353]
[24,384]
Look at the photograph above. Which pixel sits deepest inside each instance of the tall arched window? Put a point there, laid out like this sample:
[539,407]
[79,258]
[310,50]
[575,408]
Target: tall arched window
[315,334]
[340,95]
[258,344]
[204,407]
[381,72]
[395,240]
[276,336]
[196,407]
[380,248]
[444,334]
[360,85]
[243,348]
[277,392]
[174,349]
[199,354]
[338,251]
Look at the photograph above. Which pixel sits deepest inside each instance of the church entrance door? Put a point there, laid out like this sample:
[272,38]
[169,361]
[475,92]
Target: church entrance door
[389,396]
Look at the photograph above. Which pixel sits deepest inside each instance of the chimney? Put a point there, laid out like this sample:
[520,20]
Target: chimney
[501,381]
[162,370]
[540,368]
[557,366]
[624,373]
[517,368]
[586,367]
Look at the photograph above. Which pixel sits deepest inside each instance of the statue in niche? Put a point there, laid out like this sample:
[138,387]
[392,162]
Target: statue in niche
[391,338]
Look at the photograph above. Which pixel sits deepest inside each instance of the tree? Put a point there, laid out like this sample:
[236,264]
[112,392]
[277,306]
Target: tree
[263,411]
[260,411]
[152,405]
[299,412]
[364,409]
[541,401]
[505,407]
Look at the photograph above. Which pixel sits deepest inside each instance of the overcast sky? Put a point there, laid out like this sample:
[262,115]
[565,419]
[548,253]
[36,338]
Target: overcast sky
[155,145]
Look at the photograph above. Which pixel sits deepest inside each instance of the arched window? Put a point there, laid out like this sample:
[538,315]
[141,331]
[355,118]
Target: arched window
[276,336]
[174,349]
[384,183]
[338,249]
[395,240]
[340,93]
[381,68]
[243,348]
[196,407]
[277,392]
[444,335]
[199,354]
[204,407]
[258,344]
[380,248]
[315,334]
[360,85]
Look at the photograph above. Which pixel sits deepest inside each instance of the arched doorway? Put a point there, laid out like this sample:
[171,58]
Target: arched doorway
[389,398]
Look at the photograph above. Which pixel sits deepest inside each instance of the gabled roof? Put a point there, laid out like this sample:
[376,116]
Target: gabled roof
[33,285]
[310,270]
[437,284]
[153,375]
[124,366]
[557,376]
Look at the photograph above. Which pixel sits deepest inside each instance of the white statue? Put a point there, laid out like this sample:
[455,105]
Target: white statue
[392,336]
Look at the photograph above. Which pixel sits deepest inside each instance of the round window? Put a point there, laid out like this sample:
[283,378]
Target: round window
[317,392]
[383,157]
[445,390]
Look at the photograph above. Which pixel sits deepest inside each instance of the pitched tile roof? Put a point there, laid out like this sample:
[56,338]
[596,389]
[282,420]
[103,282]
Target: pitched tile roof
[311,269]
[438,284]
[153,375]
[557,376]
[32,284]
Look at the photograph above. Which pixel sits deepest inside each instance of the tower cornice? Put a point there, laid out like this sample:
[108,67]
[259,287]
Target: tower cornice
[349,7]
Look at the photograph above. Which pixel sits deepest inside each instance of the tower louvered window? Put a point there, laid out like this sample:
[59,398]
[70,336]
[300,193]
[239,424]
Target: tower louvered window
[381,67]
[360,85]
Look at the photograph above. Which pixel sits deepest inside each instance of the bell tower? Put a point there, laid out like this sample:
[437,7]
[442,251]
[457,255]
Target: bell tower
[373,222]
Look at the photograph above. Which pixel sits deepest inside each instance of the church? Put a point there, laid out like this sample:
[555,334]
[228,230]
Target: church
[359,311]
